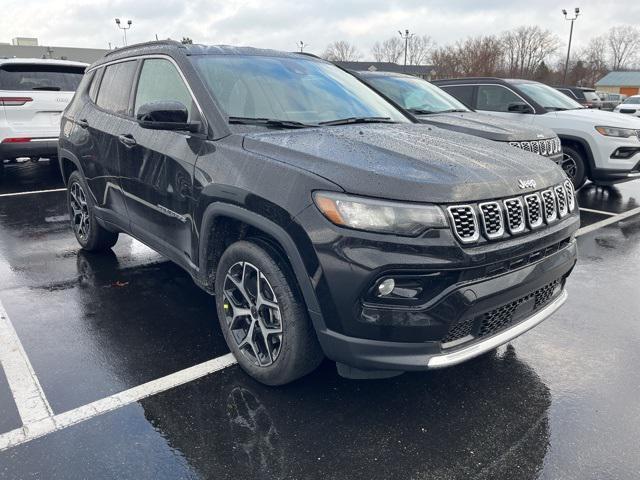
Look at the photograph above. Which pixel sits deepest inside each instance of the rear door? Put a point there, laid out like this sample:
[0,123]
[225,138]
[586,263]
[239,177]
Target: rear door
[34,96]
[157,166]
[104,120]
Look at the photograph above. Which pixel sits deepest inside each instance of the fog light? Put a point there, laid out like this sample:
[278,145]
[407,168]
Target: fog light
[385,287]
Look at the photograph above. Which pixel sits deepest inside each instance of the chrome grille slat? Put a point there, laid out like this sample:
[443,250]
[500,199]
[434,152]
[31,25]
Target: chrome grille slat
[549,204]
[535,147]
[465,223]
[571,196]
[561,197]
[515,215]
[533,206]
[492,219]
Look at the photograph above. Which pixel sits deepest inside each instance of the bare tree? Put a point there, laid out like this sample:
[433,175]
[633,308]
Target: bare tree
[419,49]
[391,50]
[624,41]
[475,56]
[446,62]
[341,51]
[526,48]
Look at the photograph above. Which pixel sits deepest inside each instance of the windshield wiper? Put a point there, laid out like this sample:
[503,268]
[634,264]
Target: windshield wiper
[453,110]
[420,111]
[269,122]
[351,120]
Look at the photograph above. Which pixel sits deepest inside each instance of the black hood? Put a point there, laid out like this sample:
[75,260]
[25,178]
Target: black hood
[412,162]
[487,126]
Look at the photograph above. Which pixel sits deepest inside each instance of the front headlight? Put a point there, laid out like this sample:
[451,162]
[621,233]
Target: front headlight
[379,215]
[617,132]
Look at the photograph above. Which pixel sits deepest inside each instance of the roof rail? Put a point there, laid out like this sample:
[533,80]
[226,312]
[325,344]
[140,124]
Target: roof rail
[168,43]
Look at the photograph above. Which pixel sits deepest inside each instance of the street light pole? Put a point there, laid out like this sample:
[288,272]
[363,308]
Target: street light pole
[576,12]
[405,36]
[124,29]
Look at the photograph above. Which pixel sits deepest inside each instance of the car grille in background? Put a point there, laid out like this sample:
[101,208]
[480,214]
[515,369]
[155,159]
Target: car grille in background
[465,223]
[547,147]
[511,215]
[500,318]
[627,110]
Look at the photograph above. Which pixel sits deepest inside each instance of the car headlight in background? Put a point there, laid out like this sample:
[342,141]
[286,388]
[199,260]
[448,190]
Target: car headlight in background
[617,132]
[381,216]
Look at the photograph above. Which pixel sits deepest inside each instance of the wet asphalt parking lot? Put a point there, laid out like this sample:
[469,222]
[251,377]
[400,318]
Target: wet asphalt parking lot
[126,374]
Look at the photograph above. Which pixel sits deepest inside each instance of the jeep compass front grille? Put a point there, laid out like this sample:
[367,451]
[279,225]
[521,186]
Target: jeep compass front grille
[465,223]
[499,219]
[546,148]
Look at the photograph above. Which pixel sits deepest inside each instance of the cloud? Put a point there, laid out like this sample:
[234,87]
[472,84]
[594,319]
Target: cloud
[280,24]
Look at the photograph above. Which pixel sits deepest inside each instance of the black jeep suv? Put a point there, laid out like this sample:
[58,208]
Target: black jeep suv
[325,220]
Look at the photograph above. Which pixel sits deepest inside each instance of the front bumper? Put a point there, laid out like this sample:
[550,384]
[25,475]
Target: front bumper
[36,148]
[472,305]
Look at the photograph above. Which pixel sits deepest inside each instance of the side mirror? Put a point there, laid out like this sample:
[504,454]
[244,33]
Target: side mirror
[168,115]
[519,107]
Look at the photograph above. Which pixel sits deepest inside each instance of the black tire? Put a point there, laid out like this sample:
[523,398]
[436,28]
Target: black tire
[296,352]
[92,237]
[574,165]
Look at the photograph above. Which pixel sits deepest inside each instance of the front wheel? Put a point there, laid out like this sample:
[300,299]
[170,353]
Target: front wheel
[574,165]
[89,234]
[262,315]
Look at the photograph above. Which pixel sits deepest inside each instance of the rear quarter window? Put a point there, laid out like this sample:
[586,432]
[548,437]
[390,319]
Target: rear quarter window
[115,87]
[26,77]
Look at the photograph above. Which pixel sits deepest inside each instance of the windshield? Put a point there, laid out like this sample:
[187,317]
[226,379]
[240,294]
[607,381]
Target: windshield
[291,89]
[415,94]
[549,98]
[634,100]
[40,77]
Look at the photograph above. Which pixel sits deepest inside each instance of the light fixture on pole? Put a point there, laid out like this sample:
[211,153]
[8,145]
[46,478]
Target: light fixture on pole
[572,19]
[124,29]
[405,36]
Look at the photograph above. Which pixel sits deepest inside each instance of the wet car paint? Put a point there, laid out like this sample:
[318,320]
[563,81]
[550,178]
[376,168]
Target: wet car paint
[538,409]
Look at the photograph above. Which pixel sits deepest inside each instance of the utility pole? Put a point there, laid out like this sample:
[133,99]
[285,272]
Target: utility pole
[302,45]
[576,12]
[124,29]
[405,36]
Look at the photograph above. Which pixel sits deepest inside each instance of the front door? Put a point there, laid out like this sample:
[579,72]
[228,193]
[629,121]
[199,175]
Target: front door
[157,166]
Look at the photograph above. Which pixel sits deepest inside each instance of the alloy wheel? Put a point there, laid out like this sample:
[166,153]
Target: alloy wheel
[80,211]
[569,166]
[252,314]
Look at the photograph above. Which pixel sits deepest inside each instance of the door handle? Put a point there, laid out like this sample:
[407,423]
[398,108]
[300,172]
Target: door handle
[127,140]
[83,123]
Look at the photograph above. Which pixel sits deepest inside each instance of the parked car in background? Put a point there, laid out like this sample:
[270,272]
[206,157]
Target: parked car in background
[610,101]
[432,105]
[33,94]
[603,147]
[631,106]
[583,95]
[324,219]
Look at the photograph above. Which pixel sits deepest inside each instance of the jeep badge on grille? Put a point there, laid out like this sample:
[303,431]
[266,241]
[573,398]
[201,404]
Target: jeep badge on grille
[527,183]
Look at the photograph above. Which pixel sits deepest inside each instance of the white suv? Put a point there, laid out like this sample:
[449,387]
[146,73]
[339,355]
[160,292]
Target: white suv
[631,106]
[33,94]
[601,146]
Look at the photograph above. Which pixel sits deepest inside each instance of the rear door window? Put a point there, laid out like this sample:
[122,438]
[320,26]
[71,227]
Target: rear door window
[95,83]
[28,77]
[115,87]
[496,98]
[464,93]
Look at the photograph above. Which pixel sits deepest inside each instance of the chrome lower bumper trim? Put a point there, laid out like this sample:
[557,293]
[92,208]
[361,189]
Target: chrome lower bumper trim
[466,353]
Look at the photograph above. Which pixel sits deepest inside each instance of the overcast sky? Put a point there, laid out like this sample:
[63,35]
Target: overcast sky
[280,24]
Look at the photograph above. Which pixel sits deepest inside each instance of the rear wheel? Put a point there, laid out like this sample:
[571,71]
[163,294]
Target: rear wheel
[262,315]
[574,165]
[90,235]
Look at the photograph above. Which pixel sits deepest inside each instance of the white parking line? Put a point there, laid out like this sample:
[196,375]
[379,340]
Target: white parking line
[18,194]
[601,212]
[33,407]
[113,402]
[607,221]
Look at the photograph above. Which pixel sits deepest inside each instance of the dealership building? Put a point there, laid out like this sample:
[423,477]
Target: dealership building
[626,83]
[29,48]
